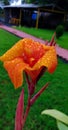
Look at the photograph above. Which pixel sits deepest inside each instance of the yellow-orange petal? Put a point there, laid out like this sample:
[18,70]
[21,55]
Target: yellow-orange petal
[15,63]
[27,49]
[49,60]
[15,69]
[13,52]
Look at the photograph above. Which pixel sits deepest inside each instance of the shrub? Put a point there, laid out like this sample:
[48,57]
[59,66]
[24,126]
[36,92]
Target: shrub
[66,25]
[59,31]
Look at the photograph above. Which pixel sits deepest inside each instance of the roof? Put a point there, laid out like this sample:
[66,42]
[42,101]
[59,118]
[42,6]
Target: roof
[22,6]
[35,6]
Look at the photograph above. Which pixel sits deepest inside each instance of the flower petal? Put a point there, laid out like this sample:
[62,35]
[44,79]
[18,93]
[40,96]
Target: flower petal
[17,66]
[27,47]
[13,52]
[15,69]
[49,60]
[30,56]
[33,73]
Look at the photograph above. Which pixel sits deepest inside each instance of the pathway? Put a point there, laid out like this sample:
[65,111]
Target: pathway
[63,53]
[20,33]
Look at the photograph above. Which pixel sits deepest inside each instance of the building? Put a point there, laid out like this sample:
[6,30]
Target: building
[34,15]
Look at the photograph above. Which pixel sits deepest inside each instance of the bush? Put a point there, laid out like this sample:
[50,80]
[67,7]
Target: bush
[66,25]
[59,31]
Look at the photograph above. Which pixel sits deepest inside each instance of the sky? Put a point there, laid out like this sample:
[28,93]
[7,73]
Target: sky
[15,2]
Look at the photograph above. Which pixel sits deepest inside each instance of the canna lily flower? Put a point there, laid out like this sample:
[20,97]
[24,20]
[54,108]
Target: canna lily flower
[29,56]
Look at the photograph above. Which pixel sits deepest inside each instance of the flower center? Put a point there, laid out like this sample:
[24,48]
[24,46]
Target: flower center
[32,52]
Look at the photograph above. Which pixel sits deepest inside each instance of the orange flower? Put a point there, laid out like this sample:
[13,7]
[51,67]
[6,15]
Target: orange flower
[29,56]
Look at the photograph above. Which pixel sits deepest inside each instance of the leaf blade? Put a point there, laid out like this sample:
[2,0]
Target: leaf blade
[61,126]
[57,115]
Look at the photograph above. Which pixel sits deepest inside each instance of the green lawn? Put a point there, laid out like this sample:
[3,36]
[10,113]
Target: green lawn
[46,34]
[55,96]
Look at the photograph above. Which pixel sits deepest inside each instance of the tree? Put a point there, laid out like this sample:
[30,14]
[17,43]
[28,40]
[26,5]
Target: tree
[60,3]
[63,4]
[5,2]
[38,1]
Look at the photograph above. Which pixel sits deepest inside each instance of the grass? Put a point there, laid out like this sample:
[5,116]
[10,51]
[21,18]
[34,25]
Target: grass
[55,96]
[6,40]
[46,34]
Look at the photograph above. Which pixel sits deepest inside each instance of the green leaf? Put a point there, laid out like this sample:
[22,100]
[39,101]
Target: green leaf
[57,115]
[61,126]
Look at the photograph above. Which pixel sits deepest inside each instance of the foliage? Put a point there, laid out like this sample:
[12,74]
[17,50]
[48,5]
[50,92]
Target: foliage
[39,1]
[46,34]
[59,31]
[61,126]
[6,2]
[34,63]
[53,97]
[62,119]
[66,25]
[62,4]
